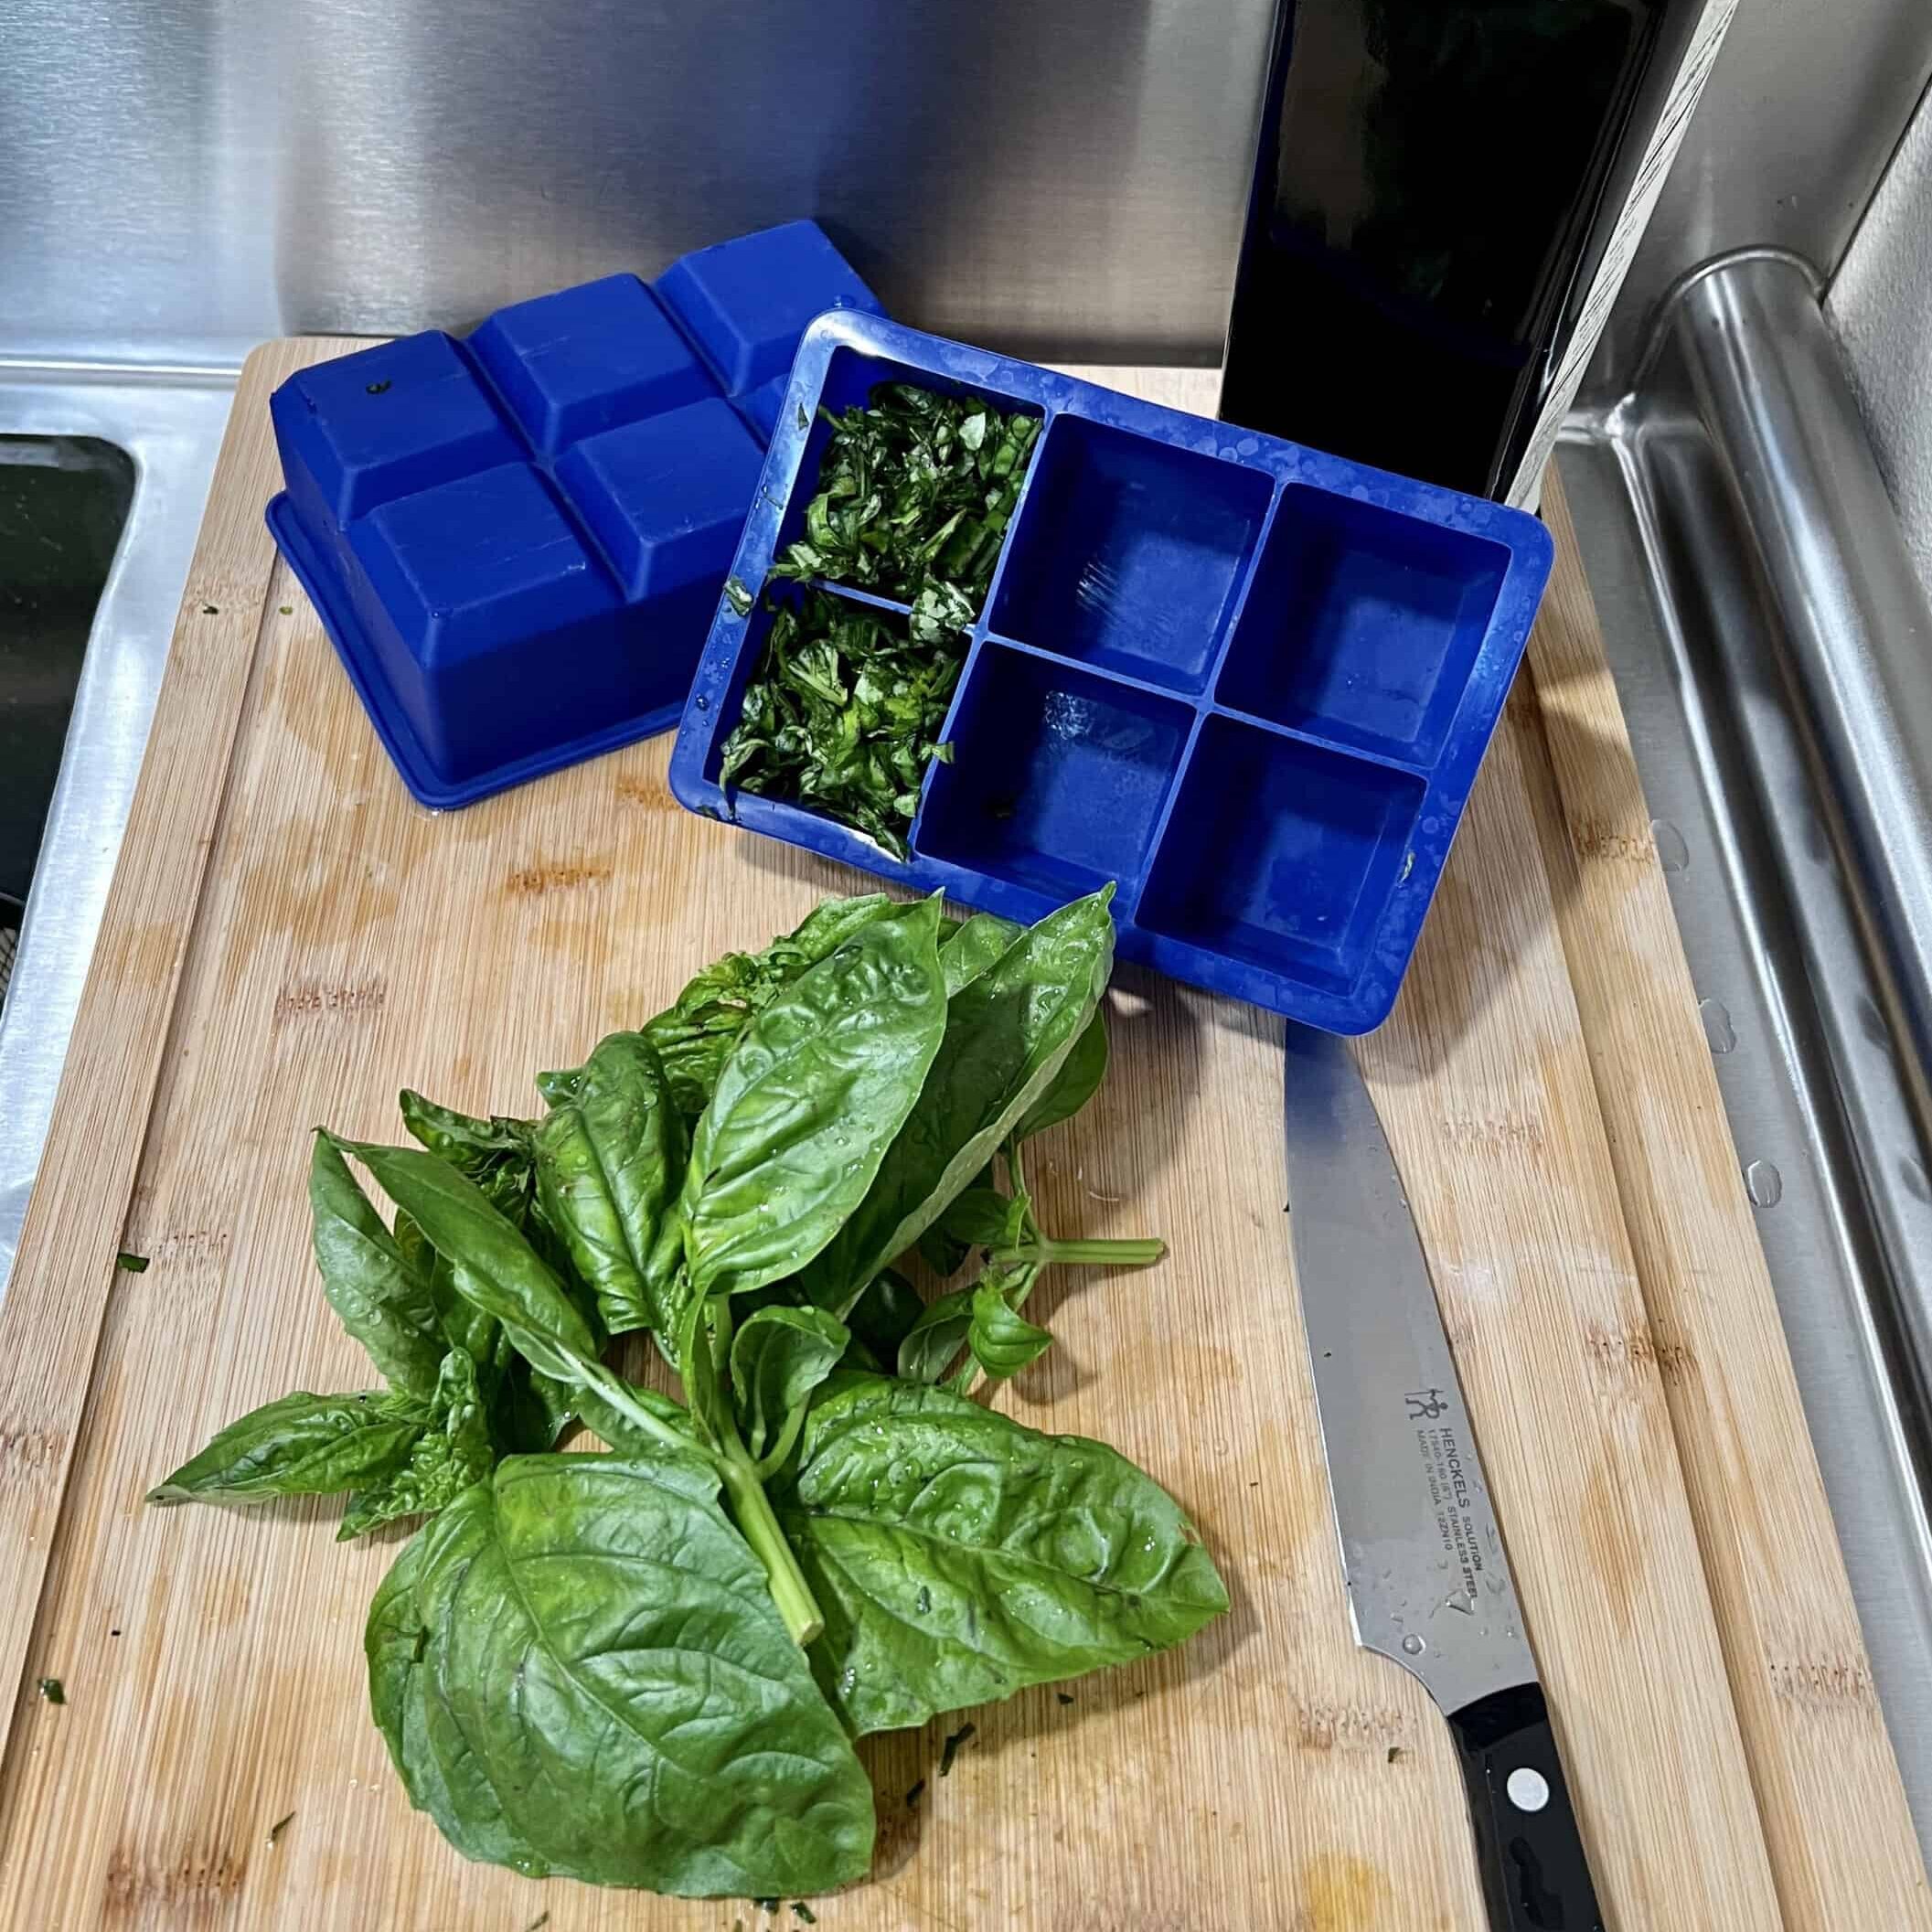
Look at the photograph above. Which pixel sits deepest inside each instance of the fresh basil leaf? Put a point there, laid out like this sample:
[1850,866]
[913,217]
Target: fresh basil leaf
[454,1451]
[491,1266]
[883,1316]
[701,1371]
[1077,1081]
[560,1087]
[609,1694]
[393,1639]
[396,1642]
[693,1038]
[495,1154]
[380,1297]
[609,1164]
[959,1557]
[985,1218]
[1008,1034]
[470,1144]
[528,1410]
[938,1248]
[469,1328]
[969,948]
[614,1428]
[939,1334]
[300,1444]
[418,1256]
[823,930]
[808,1102]
[779,1356]
[1004,1341]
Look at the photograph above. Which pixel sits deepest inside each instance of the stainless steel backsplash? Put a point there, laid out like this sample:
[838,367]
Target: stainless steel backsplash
[180,178]
[1046,177]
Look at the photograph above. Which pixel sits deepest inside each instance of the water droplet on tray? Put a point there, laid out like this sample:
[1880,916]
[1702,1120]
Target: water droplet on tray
[1721,1035]
[1764,1184]
[1413,1646]
[1672,854]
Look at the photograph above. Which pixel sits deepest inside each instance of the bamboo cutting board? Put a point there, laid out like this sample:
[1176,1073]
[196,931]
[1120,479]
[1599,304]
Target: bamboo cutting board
[290,939]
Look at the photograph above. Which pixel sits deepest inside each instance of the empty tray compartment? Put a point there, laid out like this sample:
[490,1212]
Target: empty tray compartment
[1362,624]
[1057,779]
[1129,552]
[1281,854]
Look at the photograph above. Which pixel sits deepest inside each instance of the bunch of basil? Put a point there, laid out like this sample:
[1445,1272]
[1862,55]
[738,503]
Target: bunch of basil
[647,1667]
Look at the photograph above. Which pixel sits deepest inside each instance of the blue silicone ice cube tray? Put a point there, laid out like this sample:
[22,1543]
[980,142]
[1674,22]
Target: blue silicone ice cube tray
[1248,683]
[515,540]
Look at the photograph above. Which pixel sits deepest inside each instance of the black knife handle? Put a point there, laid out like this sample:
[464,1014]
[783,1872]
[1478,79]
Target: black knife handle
[1536,1877]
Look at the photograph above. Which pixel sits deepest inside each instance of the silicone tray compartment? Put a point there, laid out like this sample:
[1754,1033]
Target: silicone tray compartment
[1131,552]
[516,540]
[1058,777]
[1282,854]
[1248,683]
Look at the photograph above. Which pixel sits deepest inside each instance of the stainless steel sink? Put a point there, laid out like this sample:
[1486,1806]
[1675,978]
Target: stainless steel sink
[63,503]
[103,473]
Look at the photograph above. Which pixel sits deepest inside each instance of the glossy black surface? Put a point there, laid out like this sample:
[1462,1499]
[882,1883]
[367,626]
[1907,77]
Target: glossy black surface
[1427,184]
[1536,1877]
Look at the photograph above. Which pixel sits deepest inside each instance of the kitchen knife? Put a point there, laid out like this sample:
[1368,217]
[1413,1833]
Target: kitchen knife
[1428,1583]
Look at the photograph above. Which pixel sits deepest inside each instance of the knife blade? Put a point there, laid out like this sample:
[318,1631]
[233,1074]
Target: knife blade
[1423,1560]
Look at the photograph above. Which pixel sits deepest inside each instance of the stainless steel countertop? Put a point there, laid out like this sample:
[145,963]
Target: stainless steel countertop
[1760,622]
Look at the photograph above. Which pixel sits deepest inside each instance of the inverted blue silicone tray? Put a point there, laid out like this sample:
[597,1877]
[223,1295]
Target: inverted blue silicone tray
[515,542]
[1248,683]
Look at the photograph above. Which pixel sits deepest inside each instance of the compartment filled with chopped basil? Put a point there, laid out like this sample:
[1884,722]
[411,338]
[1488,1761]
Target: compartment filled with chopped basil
[914,494]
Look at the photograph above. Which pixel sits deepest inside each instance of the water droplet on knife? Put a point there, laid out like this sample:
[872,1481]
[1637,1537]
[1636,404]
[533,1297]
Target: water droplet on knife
[1413,1646]
[1764,1184]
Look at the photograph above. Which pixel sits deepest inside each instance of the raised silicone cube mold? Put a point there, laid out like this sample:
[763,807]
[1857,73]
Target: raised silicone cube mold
[1247,683]
[382,423]
[451,596]
[588,358]
[746,303]
[518,541]
[666,496]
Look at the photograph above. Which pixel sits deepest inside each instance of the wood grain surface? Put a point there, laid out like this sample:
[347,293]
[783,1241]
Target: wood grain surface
[291,939]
